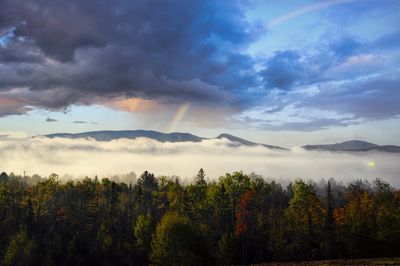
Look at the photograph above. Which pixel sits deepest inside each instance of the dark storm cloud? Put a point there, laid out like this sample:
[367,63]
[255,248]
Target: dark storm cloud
[56,53]
[17,51]
[168,51]
[57,27]
[14,110]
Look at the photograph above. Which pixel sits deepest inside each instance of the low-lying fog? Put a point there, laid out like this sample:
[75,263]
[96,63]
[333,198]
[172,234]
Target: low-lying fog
[82,157]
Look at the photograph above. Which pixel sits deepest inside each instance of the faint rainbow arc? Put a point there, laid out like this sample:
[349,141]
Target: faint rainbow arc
[179,115]
[303,10]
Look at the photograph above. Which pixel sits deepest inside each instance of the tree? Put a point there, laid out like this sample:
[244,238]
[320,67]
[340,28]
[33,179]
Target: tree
[227,249]
[29,219]
[305,216]
[3,177]
[177,242]
[21,250]
[245,222]
[235,220]
[235,185]
[147,184]
[358,220]
[200,178]
[196,195]
[143,232]
[386,208]
[329,235]
[219,216]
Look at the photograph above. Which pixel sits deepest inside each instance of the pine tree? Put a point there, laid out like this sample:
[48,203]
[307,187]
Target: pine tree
[200,178]
[329,226]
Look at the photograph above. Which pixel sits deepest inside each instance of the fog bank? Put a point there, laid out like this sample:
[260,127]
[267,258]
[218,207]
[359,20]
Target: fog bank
[82,157]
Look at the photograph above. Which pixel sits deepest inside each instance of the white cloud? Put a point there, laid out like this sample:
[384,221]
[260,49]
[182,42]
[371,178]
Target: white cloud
[80,157]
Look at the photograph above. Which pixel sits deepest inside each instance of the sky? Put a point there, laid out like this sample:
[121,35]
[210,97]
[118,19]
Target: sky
[293,73]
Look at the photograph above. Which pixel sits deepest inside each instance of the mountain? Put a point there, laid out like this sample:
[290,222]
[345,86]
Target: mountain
[108,135]
[246,142]
[162,137]
[353,145]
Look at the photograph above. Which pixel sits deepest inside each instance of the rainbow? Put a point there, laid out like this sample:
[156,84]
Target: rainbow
[298,12]
[179,115]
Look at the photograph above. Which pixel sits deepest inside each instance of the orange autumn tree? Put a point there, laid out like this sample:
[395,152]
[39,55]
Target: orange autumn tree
[244,221]
[244,214]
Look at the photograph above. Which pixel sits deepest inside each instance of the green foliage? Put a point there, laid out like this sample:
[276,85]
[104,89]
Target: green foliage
[21,250]
[237,219]
[177,242]
[305,214]
[143,232]
[201,178]
[227,248]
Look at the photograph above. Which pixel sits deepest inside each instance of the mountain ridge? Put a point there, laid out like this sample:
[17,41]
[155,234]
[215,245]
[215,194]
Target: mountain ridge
[353,146]
[107,135]
[246,142]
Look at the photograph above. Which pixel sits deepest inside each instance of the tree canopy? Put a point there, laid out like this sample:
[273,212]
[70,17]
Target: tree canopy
[235,219]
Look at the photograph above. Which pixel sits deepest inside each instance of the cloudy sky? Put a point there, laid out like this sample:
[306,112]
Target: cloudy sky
[288,74]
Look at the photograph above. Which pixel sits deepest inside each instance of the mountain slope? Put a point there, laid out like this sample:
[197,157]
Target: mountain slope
[353,145]
[108,135]
[246,142]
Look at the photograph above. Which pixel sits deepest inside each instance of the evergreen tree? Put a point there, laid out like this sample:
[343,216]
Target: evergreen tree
[329,235]
[200,178]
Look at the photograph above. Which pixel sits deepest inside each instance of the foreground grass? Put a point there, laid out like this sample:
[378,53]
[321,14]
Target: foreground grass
[377,261]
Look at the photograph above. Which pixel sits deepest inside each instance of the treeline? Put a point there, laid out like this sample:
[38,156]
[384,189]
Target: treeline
[235,220]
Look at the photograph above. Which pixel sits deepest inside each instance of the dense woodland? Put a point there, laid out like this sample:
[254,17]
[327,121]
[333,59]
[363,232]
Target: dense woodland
[237,219]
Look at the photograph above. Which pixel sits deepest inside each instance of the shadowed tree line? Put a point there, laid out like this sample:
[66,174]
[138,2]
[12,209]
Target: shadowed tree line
[237,219]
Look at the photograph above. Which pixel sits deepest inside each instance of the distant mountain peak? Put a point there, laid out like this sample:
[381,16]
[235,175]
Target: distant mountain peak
[353,145]
[236,139]
[357,142]
[107,135]
[246,142]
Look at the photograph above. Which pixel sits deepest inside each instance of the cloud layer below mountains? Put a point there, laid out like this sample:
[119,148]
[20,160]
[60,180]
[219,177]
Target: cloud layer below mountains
[81,157]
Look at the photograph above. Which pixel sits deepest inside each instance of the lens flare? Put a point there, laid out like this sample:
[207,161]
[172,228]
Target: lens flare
[371,164]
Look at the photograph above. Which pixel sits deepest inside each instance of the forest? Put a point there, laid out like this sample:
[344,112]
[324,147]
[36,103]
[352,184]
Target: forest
[235,219]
